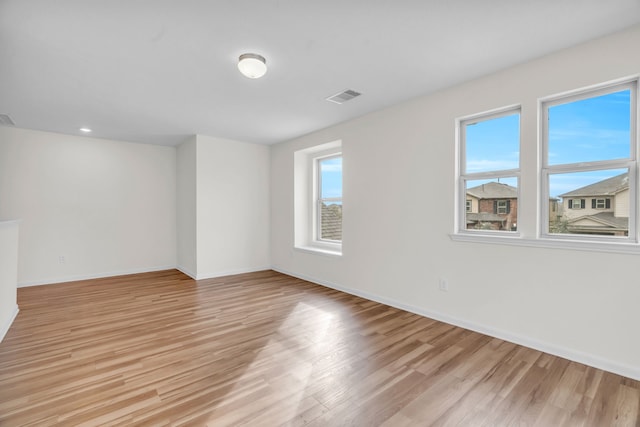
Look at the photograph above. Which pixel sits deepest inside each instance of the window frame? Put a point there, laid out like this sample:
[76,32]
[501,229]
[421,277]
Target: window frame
[580,202]
[499,208]
[317,211]
[535,207]
[629,163]
[305,199]
[462,176]
[597,203]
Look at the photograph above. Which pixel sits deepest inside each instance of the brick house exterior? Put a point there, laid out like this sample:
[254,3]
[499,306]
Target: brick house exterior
[492,206]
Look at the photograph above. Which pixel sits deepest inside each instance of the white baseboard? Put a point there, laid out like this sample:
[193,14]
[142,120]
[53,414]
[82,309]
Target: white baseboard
[8,323]
[142,270]
[186,271]
[628,371]
[94,276]
[227,273]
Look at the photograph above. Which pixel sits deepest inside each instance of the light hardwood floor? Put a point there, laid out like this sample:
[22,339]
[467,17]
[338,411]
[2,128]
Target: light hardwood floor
[265,349]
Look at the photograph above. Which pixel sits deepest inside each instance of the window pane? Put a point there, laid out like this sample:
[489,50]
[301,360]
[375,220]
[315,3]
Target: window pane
[591,129]
[330,177]
[331,221]
[592,203]
[493,145]
[494,204]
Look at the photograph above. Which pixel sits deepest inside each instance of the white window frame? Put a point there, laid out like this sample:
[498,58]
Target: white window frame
[579,203]
[468,205]
[317,236]
[535,224]
[604,203]
[462,175]
[306,200]
[629,163]
[501,206]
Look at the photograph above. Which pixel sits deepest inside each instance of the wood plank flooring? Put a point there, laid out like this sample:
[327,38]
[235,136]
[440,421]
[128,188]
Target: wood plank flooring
[265,349]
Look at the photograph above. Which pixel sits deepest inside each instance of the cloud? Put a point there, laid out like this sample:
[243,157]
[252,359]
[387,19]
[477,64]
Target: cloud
[483,165]
[331,168]
[600,135]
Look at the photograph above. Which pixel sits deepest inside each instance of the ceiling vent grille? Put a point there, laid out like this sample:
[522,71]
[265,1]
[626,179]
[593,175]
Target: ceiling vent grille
[344,96]
[5,120]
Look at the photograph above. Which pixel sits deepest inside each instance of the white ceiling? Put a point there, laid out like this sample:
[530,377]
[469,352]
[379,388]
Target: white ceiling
[156,71]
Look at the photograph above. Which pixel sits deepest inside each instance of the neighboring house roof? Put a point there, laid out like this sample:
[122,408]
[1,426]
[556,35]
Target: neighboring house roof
[331,222]
[493,190]
[484,217]
[607,219]
[607,187]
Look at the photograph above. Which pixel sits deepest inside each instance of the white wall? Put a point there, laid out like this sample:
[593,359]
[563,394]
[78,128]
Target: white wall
[399,211]
[223,207]
[8,274]
[186,207]
[621,204]
[232,207]
[107,207]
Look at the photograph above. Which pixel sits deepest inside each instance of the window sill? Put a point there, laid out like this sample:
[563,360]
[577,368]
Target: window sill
[320,251]
[578,245]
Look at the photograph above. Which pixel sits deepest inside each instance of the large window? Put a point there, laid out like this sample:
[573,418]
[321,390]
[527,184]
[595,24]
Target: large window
[589,163]
[581,191]
[489,167]
[329,202]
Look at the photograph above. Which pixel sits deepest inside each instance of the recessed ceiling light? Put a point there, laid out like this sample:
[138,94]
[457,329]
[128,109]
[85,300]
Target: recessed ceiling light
[252,65]
[85,130]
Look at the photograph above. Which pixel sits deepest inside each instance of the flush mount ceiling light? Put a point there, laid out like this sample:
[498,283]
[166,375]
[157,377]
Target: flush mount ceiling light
[252,65]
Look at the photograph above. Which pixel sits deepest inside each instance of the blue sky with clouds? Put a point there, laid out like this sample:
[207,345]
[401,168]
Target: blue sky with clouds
[331,177]
[593,129]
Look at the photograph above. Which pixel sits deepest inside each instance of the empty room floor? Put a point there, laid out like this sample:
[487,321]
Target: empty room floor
[266,349]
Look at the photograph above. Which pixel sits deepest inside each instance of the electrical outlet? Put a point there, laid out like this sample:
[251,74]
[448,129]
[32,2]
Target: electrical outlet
[62,259]
[443,285]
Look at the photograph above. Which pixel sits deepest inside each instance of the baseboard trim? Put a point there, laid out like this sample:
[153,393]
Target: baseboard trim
[76,278]
[7,325]
[227,273]
[628,371]
[143,270]
[186,271]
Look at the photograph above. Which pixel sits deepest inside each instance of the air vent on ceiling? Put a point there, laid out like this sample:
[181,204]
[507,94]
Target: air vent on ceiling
[5,120]
[344,96]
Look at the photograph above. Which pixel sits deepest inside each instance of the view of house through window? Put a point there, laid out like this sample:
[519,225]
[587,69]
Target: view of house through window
[588,157]
[329,211]
[490,164]
[494,204]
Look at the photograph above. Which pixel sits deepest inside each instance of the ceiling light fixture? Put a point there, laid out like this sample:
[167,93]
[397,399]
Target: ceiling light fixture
[85,130]
[252,65]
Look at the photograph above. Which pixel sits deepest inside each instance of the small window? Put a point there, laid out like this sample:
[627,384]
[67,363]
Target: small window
[318,199]
[601,203]
[329,209]
[576,204]
[489,164]
[502,207]
[589,151]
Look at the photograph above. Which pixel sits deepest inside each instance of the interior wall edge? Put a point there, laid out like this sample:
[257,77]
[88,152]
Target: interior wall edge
[186,271]
[223,273]
[8,323]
